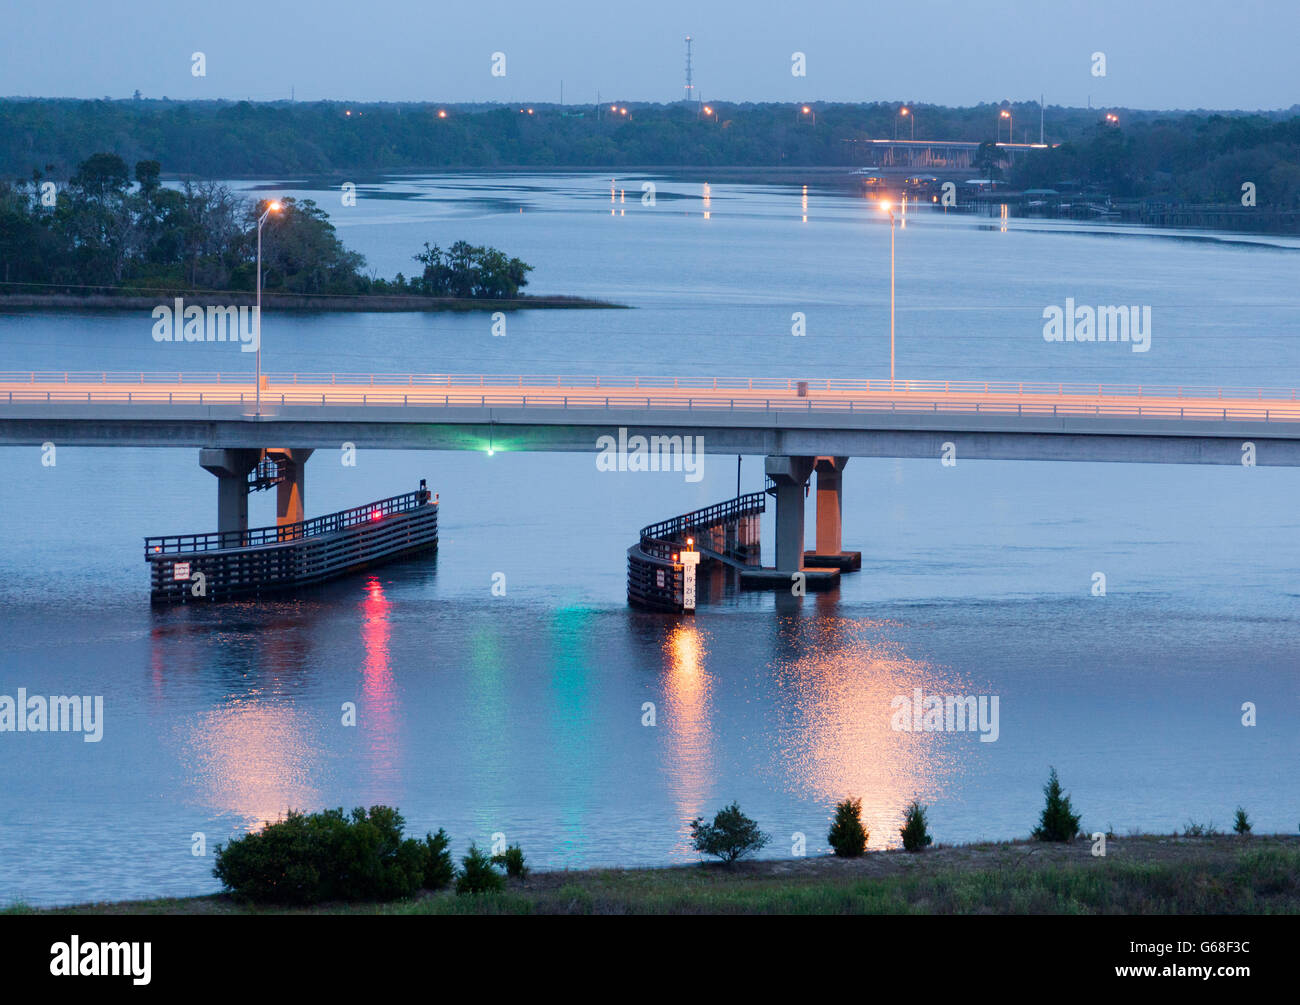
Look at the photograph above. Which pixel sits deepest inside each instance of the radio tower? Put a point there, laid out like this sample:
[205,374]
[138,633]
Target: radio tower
[690,87]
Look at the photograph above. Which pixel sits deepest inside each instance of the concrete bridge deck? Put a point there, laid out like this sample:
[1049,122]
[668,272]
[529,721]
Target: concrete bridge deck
[985,420]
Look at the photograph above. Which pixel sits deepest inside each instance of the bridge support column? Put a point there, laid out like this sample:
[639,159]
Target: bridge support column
[790,475]
[830,551]
[291,493]
[231,468]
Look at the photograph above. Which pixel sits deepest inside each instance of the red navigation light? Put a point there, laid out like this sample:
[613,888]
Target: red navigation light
[376,513]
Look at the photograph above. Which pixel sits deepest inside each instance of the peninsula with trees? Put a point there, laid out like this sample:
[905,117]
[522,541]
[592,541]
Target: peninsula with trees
[109,237]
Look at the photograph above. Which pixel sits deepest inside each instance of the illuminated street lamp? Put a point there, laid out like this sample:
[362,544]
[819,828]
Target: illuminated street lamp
[808,110]
[1005,115]
[271,207]
[906,113]
[887,208]
[1112,118]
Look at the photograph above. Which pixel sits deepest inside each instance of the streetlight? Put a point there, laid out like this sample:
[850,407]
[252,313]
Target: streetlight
[1112,118]
[271,207]
[885,206]
[1005,115]
[906,112]
[807,110]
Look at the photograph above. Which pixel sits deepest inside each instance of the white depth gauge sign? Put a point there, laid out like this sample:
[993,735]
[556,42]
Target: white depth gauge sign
[689,559]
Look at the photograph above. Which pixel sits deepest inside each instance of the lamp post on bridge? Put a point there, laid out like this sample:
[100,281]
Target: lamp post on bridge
[905,113]
[271,207]
[886,207]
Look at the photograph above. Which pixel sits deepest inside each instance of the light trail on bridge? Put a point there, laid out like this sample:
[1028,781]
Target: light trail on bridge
[673,394]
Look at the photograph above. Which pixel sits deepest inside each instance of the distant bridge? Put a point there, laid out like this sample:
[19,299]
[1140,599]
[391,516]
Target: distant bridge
[934,155]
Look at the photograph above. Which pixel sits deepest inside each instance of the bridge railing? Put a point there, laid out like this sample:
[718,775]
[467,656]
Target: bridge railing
[1222,409]
[193,543]
[285,383]
[1225,410]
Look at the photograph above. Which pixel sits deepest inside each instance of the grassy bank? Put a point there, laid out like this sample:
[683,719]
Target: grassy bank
[1138,875]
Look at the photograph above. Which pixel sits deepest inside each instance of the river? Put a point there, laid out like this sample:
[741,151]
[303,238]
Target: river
[524,714]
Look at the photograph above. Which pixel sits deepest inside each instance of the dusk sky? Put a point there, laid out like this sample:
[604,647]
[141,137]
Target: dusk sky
[1159,54]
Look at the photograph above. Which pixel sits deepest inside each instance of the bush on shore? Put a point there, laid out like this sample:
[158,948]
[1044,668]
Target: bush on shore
[915,831]
[731,836]
[847,835]
[330,856]
[512,860]
[477,874]
[1058,822]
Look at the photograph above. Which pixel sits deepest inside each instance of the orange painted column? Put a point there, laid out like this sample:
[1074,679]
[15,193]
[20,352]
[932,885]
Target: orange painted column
[291,494]
[830,505]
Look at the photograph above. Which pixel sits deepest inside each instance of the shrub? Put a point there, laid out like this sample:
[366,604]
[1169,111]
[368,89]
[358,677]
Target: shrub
[915,831]
[1196,830]
[438,869]
[1242,823]
[847,835]
[477,874]
[307,859]
[732,835]
[513,861]
[1059,822]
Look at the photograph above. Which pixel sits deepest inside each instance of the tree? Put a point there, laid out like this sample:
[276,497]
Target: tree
[847,835]
[986,159]
[731,836]
[915,830]
[101,176]
[467,271]
[477,874]
[1058,822]
[301,253]
[148,173]
[1242,823]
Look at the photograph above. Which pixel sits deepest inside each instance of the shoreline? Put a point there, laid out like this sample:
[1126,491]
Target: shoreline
[319,302]
[1140,874]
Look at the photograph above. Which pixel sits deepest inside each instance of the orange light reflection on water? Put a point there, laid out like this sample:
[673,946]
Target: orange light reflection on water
[377,714]
[255,760]
[834,713]
[688,730]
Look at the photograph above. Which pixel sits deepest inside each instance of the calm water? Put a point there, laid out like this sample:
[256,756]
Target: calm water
[522,714]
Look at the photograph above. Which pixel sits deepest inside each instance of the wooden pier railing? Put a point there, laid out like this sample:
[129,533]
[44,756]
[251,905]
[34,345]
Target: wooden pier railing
[193,568]
[654,574]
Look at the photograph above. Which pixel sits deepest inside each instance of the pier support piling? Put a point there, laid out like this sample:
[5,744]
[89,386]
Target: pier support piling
[231,468]
[790,475]
[830,518]
[291,492]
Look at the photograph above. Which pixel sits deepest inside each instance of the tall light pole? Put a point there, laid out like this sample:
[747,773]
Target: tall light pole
[271,207]
[889,209]
[1005,115]
[906,112]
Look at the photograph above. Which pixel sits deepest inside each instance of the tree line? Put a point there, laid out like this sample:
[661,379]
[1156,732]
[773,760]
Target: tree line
[1198,156]
[108,227]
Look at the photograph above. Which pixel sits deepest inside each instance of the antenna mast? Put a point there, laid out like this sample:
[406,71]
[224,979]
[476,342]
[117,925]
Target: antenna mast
[690,87]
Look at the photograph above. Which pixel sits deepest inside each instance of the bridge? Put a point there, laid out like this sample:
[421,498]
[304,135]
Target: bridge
[801,426]
[935,155]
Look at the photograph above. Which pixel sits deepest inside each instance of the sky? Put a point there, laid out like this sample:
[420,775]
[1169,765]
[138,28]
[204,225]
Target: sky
[1159,54]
